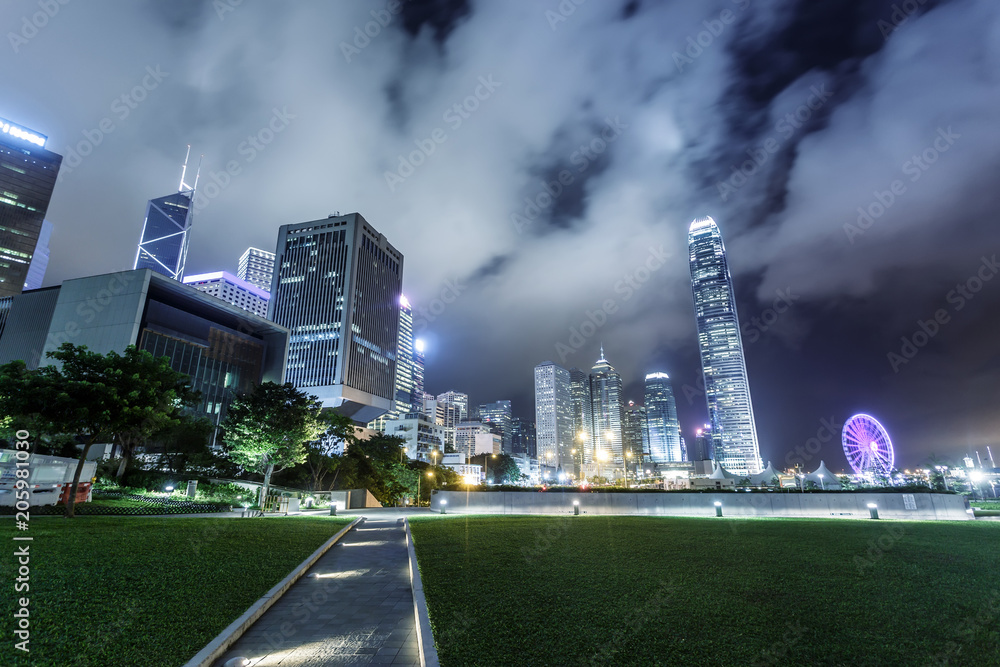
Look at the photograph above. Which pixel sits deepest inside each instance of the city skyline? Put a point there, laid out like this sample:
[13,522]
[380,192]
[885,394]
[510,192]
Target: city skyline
[843,247]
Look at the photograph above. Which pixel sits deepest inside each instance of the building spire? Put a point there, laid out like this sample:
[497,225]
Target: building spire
[602,352]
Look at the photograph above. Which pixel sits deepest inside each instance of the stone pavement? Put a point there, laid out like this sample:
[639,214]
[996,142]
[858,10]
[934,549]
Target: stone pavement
[357,611]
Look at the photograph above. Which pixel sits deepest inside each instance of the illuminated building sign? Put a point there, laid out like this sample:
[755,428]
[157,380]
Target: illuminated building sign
[22,133]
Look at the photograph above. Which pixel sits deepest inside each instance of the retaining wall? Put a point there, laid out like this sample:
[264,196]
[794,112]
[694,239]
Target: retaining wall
[814,504]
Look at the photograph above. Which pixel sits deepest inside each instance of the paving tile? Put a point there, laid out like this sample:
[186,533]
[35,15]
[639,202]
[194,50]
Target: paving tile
[362,615]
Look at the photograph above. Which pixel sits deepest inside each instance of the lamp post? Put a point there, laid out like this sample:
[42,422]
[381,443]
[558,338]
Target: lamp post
[602,456]
[975,476]
[628,455]
[486,467]
[611,439]
[821,484]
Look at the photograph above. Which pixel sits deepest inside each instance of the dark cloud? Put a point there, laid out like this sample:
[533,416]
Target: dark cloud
[358,99]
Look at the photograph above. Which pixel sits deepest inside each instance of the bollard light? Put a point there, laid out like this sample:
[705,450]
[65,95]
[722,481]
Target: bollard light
[576,508]
[333,508]
[718,508]
[873,510]
[443,503]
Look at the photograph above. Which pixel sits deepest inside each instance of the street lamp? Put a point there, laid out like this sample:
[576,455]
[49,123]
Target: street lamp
[821,484]
[976,477]
[429,474]
[486,468]
[628,455]
[602,456]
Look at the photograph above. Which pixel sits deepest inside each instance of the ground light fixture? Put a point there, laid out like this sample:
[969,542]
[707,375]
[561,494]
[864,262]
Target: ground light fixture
[333,508]
[873,510]
[444,503]
[576,507]
[718,507]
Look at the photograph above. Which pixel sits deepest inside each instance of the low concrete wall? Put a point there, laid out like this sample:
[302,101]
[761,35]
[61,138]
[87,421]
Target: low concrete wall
[836,505]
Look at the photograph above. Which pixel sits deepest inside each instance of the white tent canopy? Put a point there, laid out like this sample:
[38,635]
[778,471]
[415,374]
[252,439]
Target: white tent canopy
[828,480]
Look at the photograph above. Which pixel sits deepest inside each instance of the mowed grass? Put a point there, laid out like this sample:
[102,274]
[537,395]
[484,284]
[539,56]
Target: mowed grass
[145,591]
[684,591]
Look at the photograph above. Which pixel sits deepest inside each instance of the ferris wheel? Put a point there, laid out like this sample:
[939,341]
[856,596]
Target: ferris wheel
[867,446]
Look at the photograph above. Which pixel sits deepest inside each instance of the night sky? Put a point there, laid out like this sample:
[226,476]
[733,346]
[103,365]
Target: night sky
[647,111]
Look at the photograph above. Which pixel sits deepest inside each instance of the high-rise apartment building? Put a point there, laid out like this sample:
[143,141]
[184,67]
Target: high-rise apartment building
[661,417]
[499,414]
[257,268]
[403,402]
[418,374]
[727,390]
[554,416]
[163,243]
[224,285]
[40,258]
[608,409]
[27,177]
[337,287]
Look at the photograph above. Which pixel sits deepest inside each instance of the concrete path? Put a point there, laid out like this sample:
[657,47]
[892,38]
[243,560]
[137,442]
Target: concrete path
[357,611]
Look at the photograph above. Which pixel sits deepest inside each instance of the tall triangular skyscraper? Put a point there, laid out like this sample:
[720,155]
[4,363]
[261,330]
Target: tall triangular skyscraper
[163,244]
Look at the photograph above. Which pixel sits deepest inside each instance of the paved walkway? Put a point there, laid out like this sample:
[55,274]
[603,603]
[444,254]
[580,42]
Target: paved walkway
[357,611]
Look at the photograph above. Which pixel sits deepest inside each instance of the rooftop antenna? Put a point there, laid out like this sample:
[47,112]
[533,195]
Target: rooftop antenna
[181,187]
[198,174]
[602,349]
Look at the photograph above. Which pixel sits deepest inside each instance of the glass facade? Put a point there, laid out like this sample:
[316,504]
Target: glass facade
[661,416]
[499,414]
[606,399]
[727,391]
[222,362]
[583,415]
[635,434]
[27,178]
[163,244]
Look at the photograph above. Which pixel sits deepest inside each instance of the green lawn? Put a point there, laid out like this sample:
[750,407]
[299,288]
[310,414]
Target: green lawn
[671,591]
[145,591]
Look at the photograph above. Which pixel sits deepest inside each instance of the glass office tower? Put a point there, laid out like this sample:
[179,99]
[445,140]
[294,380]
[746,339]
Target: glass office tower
[27,178]
[337,287]
[661,418]
[727,391]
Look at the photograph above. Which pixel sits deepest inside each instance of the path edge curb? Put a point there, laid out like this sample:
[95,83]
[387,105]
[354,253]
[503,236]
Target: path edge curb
[218,646]
[425,638]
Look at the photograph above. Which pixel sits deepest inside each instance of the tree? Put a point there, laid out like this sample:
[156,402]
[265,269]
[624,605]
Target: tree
[183,438]
[320,459]
[268,429]
[96,396]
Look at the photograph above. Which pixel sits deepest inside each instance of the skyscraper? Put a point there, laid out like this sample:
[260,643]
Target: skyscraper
[39,259]
[583,415]
[661,417]
[418,375]
[27,177]
[635,433]
[338,289]
[163,243]
[459,400]
[606,399]
[257,268]
[553,416]
[523,437]
[727,391]
[403,401]
[499,414]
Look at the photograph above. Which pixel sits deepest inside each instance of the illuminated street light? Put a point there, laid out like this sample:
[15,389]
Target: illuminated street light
[576,507]
[443,503]
[718,507]
[873,510]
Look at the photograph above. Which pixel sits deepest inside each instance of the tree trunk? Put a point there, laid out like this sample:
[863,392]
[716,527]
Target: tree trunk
[71,502]
[267,483]
[122,466]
